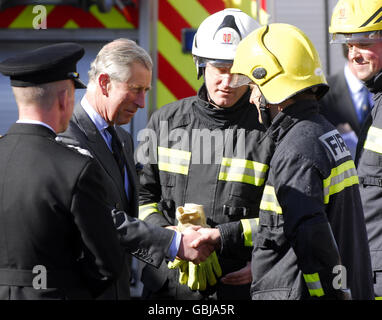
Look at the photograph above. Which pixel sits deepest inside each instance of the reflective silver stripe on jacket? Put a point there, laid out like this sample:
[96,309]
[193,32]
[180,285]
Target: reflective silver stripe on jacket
[243,170]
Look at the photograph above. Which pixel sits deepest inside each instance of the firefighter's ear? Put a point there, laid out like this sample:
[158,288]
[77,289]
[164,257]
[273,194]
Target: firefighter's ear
[104,83]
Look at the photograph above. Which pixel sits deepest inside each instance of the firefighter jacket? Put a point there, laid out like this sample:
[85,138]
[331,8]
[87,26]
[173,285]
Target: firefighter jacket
[206,156]
[370,175]
[310,239]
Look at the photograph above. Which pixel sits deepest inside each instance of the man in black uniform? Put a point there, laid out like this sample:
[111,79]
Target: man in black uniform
[206,151]
[50,221]
[358,24]
[57,238]
[310,240]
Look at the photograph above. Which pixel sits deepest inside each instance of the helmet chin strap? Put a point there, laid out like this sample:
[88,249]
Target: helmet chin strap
[212,101]
[265,113]
[200,71]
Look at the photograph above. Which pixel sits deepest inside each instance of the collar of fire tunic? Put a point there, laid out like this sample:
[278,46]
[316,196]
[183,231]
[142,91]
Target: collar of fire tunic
[213,118]
[290,116]
[375,84]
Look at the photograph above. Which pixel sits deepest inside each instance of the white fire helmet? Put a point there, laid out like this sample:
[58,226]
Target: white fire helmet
[219,35]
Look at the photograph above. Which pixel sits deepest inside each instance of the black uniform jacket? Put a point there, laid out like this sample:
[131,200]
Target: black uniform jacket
[370,173]
[52,213]
[83,133]
[312,195]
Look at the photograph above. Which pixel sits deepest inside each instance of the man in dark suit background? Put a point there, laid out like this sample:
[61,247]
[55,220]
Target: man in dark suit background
[347,103]
[58,236]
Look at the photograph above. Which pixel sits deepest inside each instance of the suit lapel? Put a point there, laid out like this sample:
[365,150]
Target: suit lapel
[128,151]
[98,147]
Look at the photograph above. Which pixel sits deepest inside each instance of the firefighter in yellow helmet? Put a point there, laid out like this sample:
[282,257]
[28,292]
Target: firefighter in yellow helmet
[310,237]
[359,24]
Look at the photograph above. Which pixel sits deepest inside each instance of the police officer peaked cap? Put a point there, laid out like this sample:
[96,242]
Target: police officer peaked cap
[47,64]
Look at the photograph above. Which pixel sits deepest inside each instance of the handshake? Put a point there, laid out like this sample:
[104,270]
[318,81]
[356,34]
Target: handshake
[198,246]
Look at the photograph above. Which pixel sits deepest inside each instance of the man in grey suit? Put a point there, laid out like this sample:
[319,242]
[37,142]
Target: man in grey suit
[119,78]
[58,236]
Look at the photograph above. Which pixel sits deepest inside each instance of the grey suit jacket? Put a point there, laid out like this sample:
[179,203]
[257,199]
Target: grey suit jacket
[82,132]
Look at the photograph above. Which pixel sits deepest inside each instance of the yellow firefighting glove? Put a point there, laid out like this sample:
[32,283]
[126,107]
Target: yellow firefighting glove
[183,269]
[177,263]
[205,272]
[183,273]
[191,274]
[212,268]
[190,214]
[195,276]
[202,278]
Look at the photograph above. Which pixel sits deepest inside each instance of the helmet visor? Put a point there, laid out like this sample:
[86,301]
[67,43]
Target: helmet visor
[239,80]
[361,37]
[202,62]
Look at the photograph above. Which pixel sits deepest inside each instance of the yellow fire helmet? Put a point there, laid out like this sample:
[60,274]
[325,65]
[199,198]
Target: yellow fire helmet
[281,60]
[356,21]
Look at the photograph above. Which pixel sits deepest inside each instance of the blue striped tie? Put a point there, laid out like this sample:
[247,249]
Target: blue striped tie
[364,105]
[116,146]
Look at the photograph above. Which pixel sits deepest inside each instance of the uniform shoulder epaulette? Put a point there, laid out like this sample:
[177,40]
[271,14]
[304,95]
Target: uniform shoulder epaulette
[80,150]
[74,147]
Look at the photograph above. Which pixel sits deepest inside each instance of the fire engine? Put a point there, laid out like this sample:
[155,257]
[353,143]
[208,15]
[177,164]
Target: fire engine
[165,28]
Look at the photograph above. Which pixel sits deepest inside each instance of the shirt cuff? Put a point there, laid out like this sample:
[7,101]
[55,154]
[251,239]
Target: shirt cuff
[174,247]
